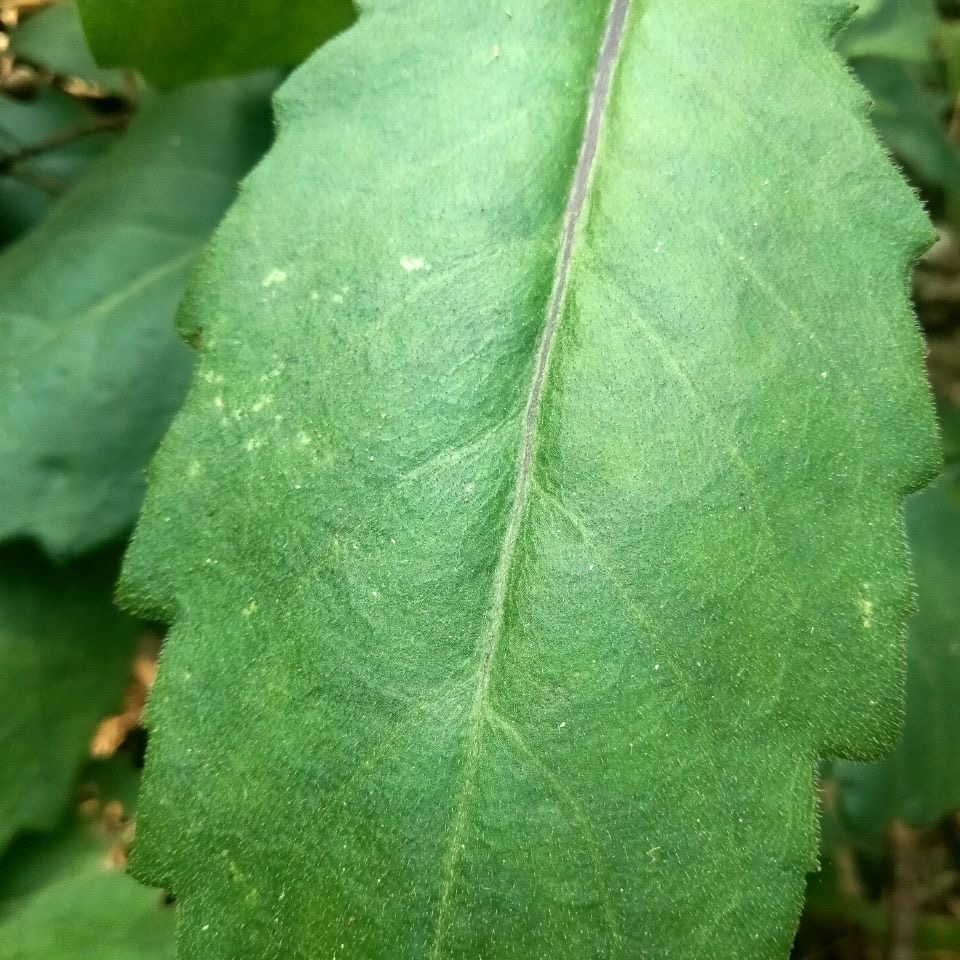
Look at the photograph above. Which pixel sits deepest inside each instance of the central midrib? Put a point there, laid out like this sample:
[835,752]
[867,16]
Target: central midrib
[599,99]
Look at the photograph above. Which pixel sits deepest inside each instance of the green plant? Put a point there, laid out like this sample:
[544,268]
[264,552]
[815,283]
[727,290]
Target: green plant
[533,523]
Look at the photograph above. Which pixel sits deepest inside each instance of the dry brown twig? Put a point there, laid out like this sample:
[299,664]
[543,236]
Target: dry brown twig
[115,729]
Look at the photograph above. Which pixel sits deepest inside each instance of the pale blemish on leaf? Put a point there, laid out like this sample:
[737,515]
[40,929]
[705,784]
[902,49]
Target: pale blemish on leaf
[413,264]
[866,607]
[275,277]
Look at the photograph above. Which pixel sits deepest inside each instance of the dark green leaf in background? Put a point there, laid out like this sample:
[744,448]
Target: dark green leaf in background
[896,29]
[175,41]
[91,368]
[522,559]
[950,427]
[65,655]
[48,139]
[910,119]
[28,189]
[891,45]
[66,896]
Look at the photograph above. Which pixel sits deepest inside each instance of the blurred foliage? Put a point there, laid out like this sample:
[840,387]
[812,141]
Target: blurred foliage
[141,215]
[890,883]
[170,40]
[65,651]
[66,896]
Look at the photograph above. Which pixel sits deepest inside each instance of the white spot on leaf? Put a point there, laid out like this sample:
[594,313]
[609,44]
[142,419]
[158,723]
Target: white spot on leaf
[275,276]
[412,264]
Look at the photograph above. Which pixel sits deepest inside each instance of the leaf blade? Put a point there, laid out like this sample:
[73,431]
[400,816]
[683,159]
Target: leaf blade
[642,736]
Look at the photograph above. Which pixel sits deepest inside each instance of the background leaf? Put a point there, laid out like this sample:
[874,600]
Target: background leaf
[909,117]
[169,41]
[460,668]
[91,369]
[67,897]
[65,655]
[896,29]
[30,187]
[895,47]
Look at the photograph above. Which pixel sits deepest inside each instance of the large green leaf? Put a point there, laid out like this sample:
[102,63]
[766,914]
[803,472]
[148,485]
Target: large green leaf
[67,897]
[91,369]
[65,656]
[174,41]
[921,782]
[534,521]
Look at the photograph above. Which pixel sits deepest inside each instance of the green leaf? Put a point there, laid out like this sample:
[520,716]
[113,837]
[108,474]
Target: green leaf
[949,414]
[53,38]
[890,44]
[175,41]
[910,119]
[520,526]
[66,897]
[28,188]
[65,656]
[921,781]
[91,369]
[899,29]
[948,43]
[42,153]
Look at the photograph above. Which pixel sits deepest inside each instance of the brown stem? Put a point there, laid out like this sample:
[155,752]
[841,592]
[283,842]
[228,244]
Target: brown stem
[62,138]
[903,906]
